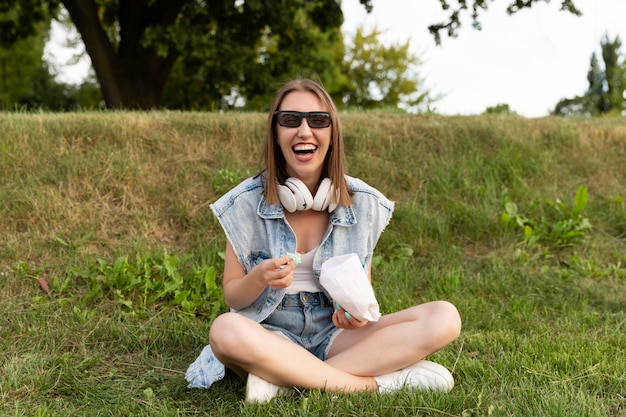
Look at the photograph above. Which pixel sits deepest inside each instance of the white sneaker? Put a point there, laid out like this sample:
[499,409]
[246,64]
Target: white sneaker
[423,375]
[260,391]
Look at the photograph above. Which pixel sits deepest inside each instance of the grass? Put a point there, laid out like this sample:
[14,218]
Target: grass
[110,260]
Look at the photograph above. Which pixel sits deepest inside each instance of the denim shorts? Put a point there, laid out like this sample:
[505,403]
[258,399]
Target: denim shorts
[305,319]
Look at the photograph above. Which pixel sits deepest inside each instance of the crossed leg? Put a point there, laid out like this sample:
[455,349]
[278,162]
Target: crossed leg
[395,341]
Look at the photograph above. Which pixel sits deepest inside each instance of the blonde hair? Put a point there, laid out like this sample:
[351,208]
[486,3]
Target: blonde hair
[275,164]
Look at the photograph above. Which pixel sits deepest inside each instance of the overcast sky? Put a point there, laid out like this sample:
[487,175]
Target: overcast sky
[529,60]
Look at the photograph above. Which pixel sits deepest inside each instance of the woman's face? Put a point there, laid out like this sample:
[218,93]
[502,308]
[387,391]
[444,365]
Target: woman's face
[303,147]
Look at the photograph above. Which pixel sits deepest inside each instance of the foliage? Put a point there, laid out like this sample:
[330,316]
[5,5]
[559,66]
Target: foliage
[15,79]
[47,94]
[22,19]
[605,94]
[568,229]
[380,76]
[248,75]
[22,73]
[614,76]
[88,95]
[157,282]
[499,109]
[27,82]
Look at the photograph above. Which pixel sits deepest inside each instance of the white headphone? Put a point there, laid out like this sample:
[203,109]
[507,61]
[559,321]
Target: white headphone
[295,195]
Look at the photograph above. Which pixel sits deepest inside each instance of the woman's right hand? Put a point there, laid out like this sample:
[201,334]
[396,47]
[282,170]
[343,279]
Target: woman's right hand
[277,272]
[241,288]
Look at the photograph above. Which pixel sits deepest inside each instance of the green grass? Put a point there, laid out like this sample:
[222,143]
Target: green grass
[110,260]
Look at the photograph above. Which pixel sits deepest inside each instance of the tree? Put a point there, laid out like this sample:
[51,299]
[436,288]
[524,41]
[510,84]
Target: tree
[134,45]
[614,75]
[380,76]
[605,94]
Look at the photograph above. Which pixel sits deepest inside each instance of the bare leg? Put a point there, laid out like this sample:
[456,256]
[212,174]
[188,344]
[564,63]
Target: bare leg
[397,340]
[246,347]
[394,342]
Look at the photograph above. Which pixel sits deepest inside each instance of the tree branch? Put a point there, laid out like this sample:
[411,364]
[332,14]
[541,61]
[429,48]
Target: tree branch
[453,24]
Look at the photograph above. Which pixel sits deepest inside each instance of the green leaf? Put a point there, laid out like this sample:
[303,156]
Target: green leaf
[582,197]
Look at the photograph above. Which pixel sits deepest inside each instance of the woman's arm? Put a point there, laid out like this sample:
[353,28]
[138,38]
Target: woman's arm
[241,288]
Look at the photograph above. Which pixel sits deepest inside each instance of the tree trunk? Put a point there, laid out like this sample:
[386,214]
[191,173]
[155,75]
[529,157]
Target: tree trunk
[133,77]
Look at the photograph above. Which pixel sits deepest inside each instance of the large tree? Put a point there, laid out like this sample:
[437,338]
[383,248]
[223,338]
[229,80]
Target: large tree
[135,44]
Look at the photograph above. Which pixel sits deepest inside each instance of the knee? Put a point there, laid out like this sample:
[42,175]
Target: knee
[227,334]
[447,321]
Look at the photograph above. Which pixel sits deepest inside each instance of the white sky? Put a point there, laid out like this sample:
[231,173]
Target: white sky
[71,64]
[529,60]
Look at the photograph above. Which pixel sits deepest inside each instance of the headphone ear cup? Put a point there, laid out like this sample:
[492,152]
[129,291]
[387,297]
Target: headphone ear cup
[287,199]
[304,199]
[323,196]
[295,195]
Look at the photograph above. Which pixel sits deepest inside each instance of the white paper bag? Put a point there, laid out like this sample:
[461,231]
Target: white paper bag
[346,281]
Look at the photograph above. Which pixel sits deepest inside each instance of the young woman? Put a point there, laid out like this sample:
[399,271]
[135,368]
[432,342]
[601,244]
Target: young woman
[283,331]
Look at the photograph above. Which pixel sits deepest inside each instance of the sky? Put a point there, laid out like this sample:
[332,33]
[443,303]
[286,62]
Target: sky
[530,60]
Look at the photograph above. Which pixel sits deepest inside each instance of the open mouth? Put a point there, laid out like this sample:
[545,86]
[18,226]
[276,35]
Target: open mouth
[304,149]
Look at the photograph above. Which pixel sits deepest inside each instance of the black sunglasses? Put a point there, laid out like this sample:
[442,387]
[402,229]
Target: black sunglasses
[315,119]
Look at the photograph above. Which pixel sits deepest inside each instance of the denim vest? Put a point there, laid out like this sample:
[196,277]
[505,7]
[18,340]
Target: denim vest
[258,231]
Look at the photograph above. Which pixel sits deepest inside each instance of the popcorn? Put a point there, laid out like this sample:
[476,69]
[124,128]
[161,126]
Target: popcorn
[295,257]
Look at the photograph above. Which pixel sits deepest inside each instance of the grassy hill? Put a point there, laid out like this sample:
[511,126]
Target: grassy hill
[110,259]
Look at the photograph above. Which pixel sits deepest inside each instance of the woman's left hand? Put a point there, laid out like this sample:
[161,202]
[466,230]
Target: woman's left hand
[343,320]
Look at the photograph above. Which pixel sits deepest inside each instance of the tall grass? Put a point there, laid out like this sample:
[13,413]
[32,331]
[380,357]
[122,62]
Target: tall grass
[110,259]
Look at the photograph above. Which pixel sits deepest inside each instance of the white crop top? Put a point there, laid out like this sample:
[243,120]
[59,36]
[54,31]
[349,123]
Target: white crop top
[303,277]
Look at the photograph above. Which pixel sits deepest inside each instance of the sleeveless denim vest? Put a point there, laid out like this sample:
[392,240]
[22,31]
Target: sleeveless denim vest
[258,231]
